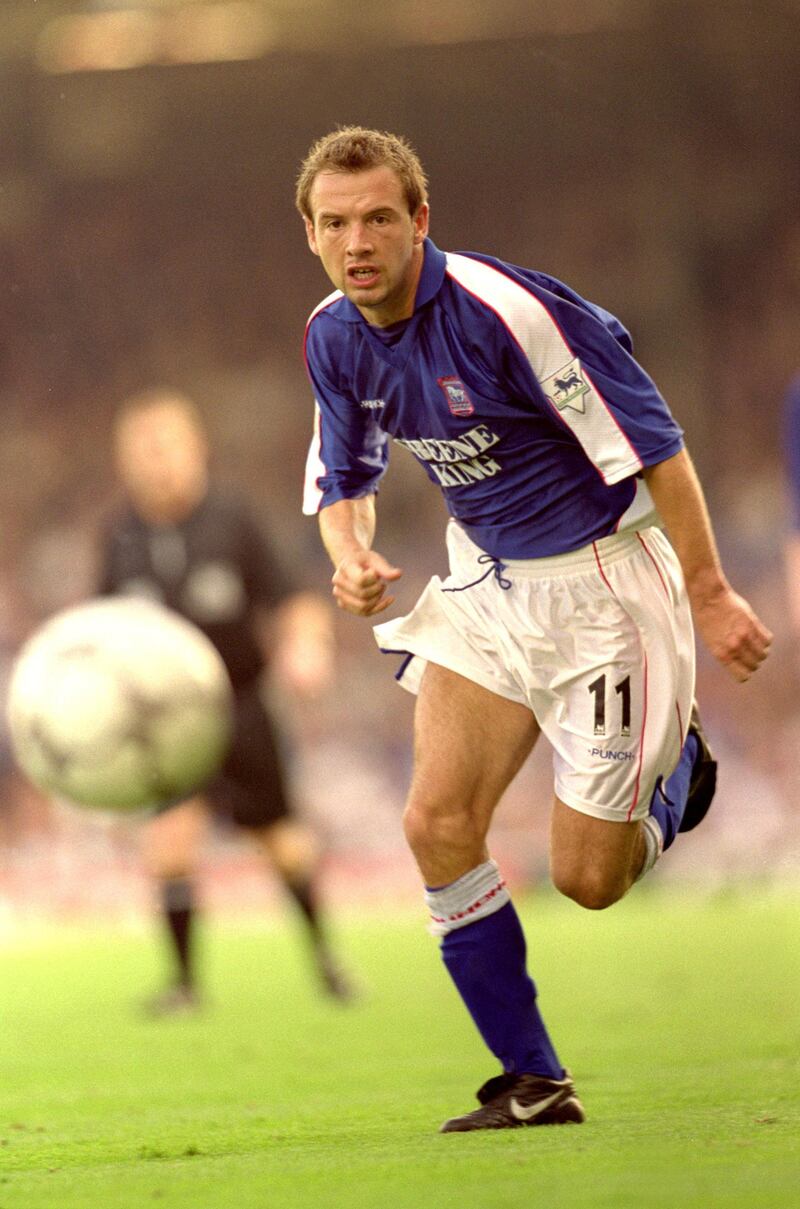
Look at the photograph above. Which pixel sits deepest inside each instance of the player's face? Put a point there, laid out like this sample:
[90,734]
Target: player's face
[369,244]
[162,461]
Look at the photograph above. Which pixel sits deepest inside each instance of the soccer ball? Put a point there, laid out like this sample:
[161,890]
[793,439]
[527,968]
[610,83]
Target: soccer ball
[119,703]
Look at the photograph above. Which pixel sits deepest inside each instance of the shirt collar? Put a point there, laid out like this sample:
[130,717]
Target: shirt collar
[434,265]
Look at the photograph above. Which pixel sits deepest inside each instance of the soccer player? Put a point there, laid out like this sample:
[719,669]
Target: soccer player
[199,551]
[567,609]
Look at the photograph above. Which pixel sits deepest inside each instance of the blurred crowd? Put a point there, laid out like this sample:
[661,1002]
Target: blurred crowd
[654,168]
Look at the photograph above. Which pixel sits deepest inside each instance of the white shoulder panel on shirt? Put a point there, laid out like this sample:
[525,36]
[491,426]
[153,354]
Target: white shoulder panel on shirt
[334,297]
[564,380]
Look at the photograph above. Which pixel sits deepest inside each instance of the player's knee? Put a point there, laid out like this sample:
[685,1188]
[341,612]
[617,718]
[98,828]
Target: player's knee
[419,828]
[589,888]
[291,846]
[431,829]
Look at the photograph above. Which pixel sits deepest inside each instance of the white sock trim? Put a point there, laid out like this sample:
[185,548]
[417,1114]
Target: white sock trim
[653,845]
[476,894]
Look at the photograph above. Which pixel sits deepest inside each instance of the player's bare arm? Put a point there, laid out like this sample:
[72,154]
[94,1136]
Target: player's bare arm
[728,625]
[359,581]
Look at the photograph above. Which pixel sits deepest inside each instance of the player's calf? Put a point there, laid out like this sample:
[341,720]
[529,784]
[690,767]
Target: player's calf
[593,861]
[484,951]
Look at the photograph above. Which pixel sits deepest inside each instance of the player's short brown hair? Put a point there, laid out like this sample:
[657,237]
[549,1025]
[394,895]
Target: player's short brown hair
[355,149]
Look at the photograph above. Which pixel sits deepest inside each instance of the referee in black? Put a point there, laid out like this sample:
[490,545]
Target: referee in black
[198,551]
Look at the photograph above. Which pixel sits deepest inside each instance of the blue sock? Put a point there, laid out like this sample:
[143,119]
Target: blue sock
[669,799]
[486,961]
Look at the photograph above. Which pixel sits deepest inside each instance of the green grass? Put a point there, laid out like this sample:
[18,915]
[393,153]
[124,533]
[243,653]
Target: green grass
[679,1019]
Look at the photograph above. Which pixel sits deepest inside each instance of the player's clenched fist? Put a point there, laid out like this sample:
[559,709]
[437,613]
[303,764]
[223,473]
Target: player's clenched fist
[359,583]
[733,633]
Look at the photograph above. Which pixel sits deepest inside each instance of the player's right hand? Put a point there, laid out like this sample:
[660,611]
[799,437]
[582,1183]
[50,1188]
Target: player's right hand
[360,580]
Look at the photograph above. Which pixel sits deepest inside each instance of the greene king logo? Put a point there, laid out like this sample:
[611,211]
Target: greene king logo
[566,387]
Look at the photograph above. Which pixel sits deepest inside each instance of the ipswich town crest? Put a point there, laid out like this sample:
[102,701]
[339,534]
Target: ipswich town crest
[458,399]
[566,387]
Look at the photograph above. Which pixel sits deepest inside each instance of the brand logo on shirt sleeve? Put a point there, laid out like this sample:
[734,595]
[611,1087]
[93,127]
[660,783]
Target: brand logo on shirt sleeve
[457,396]
[566,387]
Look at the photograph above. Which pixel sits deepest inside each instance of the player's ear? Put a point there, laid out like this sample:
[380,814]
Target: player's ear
[421,223]
[310,236]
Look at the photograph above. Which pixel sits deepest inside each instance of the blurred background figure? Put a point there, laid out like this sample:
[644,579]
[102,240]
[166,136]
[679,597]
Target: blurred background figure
[198,550]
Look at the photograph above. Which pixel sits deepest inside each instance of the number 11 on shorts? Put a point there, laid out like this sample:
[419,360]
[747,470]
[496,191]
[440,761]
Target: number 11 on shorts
[623,690]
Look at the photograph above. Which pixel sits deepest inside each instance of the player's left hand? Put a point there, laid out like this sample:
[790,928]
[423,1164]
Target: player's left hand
[733,633]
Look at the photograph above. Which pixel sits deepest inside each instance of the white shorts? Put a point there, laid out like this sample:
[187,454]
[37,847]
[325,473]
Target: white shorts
[598,643]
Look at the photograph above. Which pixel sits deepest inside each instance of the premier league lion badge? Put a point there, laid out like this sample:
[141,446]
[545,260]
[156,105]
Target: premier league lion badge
[567,387]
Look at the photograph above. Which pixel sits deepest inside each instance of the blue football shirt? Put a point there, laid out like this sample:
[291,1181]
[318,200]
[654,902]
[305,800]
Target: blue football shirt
[521,400]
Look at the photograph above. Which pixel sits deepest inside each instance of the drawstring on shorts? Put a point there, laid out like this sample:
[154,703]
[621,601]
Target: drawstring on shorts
[497,568]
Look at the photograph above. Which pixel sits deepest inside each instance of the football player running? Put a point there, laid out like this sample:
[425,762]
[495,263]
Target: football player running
[567,610]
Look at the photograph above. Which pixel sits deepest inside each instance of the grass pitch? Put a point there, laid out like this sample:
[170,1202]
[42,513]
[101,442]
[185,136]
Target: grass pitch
[678,1017]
